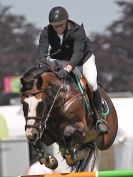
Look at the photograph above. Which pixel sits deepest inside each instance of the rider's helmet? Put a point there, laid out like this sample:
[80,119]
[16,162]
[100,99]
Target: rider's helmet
[58,14]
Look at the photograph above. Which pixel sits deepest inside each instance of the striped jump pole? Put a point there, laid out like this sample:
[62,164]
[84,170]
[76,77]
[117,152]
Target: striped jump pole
[116,173]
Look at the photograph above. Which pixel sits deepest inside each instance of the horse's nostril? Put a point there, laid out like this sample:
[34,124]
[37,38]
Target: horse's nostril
[35,136]
[29,136]
[32,134]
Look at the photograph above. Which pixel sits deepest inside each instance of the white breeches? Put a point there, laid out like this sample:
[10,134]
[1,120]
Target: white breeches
[88,69]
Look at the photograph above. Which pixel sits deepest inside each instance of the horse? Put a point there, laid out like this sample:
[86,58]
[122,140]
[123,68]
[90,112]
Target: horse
[55,112]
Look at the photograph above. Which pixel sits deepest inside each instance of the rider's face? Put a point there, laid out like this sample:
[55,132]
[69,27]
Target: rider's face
[60,28]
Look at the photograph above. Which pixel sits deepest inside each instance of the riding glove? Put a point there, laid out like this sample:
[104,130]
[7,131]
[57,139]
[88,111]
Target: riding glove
[62,73]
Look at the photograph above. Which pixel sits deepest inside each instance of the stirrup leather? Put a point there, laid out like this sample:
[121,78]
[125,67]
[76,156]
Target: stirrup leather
[105,108]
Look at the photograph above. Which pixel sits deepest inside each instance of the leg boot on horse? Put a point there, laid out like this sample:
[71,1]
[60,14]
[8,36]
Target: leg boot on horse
[101,125]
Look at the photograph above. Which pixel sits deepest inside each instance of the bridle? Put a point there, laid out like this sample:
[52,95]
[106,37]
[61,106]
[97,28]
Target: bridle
[39,118]
[29,94]
[42,125]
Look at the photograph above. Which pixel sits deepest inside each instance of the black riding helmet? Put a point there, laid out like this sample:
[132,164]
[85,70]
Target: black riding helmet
[58,14]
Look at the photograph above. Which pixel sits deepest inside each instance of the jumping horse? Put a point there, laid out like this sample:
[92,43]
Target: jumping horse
[55,111]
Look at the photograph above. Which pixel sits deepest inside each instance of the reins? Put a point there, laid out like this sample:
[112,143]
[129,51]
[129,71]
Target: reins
[48,55]
[49,112]
[56,96]
[65,104]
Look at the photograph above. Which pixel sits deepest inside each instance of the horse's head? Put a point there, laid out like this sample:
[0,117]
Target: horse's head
[33,103]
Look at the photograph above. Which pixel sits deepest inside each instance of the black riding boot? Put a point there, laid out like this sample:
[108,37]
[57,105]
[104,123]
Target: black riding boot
[101,126]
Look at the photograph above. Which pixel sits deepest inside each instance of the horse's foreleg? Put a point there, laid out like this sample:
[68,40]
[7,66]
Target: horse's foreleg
[39,149]
[46,159]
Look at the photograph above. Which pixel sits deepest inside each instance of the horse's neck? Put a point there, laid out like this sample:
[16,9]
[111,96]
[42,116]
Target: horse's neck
[55,87]
[50,78]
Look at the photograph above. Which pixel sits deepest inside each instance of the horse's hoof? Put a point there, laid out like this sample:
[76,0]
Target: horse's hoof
[69,160]
[50,162]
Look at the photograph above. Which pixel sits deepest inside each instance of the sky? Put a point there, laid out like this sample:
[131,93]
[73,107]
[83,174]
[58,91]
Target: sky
[96,15]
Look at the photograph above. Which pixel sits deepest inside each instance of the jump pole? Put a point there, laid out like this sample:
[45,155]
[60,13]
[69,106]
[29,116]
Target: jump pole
[116,173]
[80,174]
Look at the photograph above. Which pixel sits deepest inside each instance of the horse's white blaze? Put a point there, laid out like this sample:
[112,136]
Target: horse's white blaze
[32,103]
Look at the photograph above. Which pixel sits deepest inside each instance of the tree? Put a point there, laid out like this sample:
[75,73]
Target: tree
[17,44]
[114,53]
[113,49]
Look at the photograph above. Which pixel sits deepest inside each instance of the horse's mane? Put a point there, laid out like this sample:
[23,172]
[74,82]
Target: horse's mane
[34,71]
[28,78]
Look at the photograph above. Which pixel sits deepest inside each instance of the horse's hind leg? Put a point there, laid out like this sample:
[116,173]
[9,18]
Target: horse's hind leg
[48,160]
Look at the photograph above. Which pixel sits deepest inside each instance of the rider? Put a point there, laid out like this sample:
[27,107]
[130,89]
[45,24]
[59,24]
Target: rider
[71,47]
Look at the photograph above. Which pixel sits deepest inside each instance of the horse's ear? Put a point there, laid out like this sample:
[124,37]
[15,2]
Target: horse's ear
[22,81]
[39,82]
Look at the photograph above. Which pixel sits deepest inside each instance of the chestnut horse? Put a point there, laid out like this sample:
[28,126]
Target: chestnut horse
[55,111]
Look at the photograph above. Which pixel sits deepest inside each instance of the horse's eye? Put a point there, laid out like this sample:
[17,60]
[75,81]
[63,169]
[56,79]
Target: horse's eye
[25,108]
[25,95]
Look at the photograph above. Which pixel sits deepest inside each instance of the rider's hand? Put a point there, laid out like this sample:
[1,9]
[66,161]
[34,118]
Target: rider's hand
[68,68]
[62,73]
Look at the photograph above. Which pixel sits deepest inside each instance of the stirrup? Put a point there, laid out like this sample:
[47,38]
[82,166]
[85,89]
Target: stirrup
[103,122]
